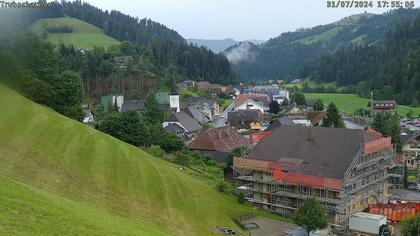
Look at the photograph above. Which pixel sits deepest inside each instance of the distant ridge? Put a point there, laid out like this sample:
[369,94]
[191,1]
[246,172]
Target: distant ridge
[220,45]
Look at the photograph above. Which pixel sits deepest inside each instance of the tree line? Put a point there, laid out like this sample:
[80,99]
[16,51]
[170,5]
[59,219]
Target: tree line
[163,46]
[390,68]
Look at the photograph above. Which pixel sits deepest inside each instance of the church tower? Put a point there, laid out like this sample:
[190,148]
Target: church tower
[174,97]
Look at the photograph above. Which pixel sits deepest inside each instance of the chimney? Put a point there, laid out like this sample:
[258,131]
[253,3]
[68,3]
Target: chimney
[310,137]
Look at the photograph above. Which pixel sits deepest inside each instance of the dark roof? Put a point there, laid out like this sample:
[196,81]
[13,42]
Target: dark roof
[326,152]
[223,139]
[221,157]
[282,121]
[196,114]
[190,124]
[132,105]
[173,128]
[198,100]
[238,118]
[404,139]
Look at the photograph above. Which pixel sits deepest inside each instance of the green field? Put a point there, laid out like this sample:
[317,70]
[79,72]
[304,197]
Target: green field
[350,102]
[84,35]
[60,177]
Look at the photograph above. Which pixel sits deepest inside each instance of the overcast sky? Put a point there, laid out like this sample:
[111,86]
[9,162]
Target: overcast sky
[238,19]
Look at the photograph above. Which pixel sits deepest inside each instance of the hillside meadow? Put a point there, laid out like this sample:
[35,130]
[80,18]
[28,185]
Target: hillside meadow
[348,103]
[84,35]
[60,177]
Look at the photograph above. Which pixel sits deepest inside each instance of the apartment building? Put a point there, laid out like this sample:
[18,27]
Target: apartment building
[344,169]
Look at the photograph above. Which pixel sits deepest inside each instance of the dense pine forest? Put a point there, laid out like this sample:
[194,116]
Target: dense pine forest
[390,68]
[283,57]
[156,52]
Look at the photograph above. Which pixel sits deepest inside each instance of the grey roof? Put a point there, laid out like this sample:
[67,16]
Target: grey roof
[198,100]
[173,128]
[244,117]
[326,152]
[404,139]
[132,105]
[196,114]
[282,121]
[190,124]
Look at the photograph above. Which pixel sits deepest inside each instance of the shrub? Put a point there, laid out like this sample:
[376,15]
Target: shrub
[241,197]
[221,186]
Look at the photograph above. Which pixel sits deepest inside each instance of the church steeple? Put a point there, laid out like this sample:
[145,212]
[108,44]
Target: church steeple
[174,88]
[174,96]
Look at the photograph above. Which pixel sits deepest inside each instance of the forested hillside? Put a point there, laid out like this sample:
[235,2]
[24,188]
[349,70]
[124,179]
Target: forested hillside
[164,47]
[390,68]
[284,56]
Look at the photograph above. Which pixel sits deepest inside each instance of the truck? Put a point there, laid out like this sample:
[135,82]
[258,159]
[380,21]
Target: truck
[367,223]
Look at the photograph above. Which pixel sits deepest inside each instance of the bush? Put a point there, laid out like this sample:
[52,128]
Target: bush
[241,197]
[156,151]
[221,186]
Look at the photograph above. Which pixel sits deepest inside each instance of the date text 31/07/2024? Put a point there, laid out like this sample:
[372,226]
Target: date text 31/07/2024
[370,4]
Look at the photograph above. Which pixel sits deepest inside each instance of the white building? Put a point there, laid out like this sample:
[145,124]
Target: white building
[174,101]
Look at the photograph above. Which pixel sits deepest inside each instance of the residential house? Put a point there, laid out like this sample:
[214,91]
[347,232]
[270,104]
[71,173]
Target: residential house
[411,150]
[315,118]
[245,119]
[208,107]
[203,85]
[122,60]
[384,106]
[345,170]
[169,100]
[132,105]
[186,84]
[162,97]
[88,117]
[189,125]
[280,96]
[196,114]
[262,99]
[176,129]
[110,100]
[282,121]
[219,142]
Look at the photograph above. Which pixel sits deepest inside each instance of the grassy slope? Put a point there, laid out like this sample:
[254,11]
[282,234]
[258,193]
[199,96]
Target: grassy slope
[325,36]
[84,35]
[350,102]
[62,165]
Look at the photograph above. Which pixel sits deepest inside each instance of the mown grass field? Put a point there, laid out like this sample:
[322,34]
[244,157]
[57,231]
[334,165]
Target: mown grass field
[60,177]
[350,102]
[84,35]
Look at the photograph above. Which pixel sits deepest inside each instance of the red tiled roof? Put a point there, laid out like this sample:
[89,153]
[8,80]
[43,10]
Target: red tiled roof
[223,139]
[244,97]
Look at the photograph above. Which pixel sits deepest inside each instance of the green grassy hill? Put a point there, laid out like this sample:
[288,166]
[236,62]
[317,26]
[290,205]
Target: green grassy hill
[84,35]
[58,176]
[350,102]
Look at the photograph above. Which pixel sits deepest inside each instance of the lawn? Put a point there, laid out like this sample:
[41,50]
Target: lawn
[59,176]
[350,102]
[84,35]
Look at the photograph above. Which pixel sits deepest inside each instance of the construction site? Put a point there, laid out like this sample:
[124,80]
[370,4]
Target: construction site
[345,170]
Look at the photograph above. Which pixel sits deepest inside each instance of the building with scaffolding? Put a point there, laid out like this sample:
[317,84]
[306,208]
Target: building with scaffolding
[346,170]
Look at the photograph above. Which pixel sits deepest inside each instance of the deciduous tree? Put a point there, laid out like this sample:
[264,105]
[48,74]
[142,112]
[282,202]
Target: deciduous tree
[310,216]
